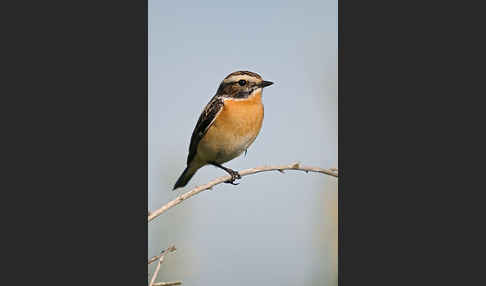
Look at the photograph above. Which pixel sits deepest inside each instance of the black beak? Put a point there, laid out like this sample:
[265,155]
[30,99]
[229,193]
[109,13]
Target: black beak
[265,83]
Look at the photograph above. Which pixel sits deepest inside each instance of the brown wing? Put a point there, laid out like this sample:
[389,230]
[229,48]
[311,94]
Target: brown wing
[205,120]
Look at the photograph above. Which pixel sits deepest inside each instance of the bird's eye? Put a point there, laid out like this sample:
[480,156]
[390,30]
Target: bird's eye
[242,82]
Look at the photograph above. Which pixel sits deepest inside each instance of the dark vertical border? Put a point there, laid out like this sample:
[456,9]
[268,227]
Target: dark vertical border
[76,111]
[406,101]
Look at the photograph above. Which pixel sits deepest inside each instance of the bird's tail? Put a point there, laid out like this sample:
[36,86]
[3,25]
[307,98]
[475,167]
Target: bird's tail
[190,170]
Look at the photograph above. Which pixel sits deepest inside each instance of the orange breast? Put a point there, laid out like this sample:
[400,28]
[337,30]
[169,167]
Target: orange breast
[233,131]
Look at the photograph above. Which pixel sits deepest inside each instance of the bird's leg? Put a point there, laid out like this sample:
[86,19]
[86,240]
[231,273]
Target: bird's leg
[234,174]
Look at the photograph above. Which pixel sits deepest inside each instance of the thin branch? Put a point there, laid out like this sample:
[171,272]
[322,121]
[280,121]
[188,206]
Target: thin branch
[167,283]
[197,190]
[163,252]
[161,259]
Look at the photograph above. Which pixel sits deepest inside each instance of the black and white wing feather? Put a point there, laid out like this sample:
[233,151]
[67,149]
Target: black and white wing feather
[205,120]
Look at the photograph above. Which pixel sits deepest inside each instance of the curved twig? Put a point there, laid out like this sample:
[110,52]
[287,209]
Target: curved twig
[196,190]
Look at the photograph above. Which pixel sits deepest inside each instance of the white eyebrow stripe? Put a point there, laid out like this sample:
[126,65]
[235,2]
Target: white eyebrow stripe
[235,78]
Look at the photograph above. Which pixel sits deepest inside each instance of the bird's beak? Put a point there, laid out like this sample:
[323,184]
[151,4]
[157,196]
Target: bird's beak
[265,83]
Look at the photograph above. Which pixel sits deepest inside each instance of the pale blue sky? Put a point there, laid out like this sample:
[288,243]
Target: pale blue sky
[272,229]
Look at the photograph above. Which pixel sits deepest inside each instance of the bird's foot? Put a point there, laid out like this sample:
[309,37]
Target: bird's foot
[234,176]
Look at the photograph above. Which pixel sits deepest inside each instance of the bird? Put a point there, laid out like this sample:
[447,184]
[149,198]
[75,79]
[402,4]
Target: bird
[227,126]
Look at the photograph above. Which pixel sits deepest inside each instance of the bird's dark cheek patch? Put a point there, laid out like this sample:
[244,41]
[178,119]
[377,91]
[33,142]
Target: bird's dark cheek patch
[243,94]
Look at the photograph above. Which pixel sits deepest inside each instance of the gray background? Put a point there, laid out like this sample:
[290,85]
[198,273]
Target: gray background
[272,229]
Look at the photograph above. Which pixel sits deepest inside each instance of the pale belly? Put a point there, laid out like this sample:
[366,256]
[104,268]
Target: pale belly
[235,129]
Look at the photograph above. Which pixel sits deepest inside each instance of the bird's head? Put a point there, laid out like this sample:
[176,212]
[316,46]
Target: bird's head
[242,84]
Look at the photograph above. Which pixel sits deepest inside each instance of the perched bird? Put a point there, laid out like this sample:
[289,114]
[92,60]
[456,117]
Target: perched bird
[227,126]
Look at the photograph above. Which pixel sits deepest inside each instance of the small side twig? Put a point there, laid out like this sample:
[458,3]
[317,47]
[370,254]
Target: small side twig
[163,252]
[161,259]
[167,283]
